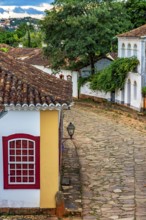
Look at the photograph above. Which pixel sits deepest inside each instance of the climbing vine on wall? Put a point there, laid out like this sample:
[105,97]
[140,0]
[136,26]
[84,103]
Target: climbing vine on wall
[113,77]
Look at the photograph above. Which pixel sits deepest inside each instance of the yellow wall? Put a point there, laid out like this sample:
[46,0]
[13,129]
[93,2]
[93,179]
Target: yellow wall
[49,162]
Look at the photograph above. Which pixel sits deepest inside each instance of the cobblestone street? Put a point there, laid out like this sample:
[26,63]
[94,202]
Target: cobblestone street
[112,155]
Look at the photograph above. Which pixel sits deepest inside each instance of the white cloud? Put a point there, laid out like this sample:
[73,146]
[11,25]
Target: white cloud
[46,5]
[19,15]
[11,14]
[41,7]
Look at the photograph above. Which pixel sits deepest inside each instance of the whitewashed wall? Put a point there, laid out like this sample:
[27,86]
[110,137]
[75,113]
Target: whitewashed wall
[18,122]
[74,75]
[85,90]
[141,51]
[135,103]
[120,95]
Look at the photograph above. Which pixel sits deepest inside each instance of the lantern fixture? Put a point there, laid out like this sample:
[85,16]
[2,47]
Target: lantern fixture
[71,129]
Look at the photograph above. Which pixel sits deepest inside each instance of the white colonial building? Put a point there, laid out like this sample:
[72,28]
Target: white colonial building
[132,43]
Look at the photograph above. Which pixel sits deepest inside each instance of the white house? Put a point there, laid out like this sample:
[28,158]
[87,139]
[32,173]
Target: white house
[31,104]
[132,43]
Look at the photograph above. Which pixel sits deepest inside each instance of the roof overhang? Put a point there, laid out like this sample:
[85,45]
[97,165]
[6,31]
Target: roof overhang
[37,107]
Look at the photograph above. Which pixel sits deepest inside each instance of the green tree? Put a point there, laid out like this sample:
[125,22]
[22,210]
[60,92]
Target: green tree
[76,30]
[36,39]
[24,32]
[136,10]
[6,37]
[21,30]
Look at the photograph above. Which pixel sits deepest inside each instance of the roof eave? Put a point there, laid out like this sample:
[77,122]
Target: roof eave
[128,37]
[37,107]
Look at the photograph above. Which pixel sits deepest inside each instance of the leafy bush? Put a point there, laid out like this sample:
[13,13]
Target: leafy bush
[4,49]
[113,77]
[144,91]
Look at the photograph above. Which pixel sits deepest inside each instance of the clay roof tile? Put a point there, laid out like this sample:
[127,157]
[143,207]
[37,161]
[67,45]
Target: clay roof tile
[137,32]
[21,83]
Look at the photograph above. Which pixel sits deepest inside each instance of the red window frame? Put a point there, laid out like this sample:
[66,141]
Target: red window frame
[6,164]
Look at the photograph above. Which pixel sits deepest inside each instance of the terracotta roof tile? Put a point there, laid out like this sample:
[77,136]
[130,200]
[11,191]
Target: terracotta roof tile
[138,32]
[22,84]
[32,56]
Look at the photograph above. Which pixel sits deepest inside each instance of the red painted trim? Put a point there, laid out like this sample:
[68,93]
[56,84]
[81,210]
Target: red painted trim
[5,162]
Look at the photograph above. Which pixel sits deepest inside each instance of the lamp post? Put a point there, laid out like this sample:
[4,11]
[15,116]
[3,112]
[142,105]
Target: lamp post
[29,39]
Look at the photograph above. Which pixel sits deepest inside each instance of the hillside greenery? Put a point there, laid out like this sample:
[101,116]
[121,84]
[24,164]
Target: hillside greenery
[25,34]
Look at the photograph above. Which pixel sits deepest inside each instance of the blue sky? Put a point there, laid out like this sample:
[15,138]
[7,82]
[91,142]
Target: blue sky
[23,2]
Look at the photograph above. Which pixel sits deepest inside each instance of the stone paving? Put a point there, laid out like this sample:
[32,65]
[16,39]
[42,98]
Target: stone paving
[112,155]
[37,217]
[71,184]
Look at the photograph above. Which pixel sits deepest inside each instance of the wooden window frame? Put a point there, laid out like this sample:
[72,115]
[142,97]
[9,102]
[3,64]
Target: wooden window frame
[29,185]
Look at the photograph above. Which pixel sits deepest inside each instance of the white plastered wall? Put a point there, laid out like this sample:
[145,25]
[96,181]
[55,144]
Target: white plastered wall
[135,101]
[18,122]
[85,89]
[74,75]
[132,42]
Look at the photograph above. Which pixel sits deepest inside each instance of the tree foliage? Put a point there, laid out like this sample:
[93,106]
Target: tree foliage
[6,37]
[36,39]
[144,91]
[136,10]
[78,29]
[113,77]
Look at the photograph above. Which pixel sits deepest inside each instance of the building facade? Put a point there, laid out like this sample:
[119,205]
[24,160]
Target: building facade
[133,44]
[31,104]
[130,44]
